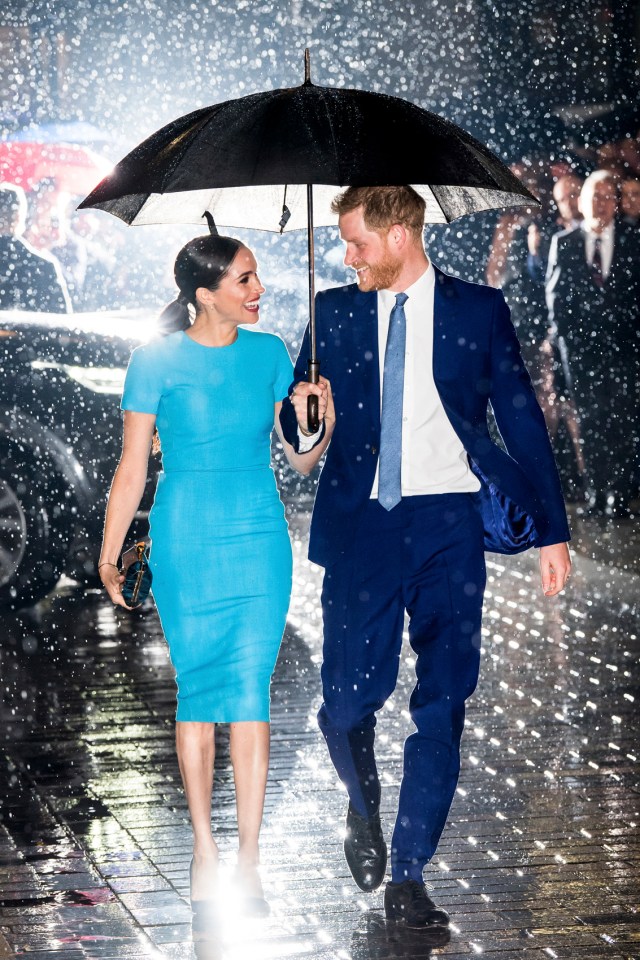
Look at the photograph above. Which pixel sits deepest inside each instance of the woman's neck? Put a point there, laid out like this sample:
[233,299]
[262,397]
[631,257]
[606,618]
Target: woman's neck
[212,332]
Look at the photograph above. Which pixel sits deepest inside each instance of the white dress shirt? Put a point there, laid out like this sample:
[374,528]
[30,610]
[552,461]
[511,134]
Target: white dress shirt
[606,247]
[433,457]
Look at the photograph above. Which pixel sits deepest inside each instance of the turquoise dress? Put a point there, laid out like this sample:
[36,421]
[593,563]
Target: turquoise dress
[220,554]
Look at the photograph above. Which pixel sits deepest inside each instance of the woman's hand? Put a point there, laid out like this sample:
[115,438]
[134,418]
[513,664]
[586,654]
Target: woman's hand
[322,390]
[112,581]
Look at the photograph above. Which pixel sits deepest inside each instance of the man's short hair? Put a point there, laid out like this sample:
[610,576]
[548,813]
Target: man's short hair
[13,205]
[566,177]
[384,206]
[599,176]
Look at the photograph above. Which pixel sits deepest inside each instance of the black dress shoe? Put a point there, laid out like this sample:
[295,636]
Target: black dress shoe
[365,850]
[408,902]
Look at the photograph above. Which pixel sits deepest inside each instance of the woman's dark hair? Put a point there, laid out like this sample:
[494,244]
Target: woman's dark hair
[203,262]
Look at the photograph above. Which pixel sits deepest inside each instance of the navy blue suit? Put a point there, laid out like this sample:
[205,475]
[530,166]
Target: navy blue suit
[426,556]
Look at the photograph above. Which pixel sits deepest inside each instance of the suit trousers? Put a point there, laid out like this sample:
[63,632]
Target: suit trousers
[426,556]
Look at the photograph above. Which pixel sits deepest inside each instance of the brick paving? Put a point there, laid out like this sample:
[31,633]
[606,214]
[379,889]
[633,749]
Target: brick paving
[539,859]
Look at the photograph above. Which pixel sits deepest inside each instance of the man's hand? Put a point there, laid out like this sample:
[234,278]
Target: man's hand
[555,566]
[322,390]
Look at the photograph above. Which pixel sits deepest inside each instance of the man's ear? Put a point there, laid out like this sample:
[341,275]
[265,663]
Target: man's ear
[398,236]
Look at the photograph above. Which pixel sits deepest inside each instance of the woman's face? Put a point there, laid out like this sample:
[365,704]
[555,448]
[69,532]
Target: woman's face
[237,298]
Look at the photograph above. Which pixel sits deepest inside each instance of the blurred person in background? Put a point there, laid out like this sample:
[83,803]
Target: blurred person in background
[629,153]
[593,298]
[507,270]
[516,266]
[630,201]
[609,158]
[553,393]
[566,196]
[29,280]
[105,279]
[50,230]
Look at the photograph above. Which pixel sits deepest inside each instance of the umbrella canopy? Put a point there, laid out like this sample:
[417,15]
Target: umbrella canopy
[74,168]
[276,159]
[233,159]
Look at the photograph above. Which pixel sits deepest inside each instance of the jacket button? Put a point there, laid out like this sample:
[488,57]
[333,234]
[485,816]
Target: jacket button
[374,450]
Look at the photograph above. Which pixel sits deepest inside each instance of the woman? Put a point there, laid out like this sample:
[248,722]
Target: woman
[221,556]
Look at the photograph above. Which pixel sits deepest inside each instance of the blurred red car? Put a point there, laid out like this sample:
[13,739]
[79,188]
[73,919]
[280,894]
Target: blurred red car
[75,169]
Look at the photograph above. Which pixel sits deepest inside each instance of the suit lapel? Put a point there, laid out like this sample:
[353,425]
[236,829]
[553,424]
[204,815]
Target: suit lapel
[444,314]
[617,268]
[581,256]
[366,353]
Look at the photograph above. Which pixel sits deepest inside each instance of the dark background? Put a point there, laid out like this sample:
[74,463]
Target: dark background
[532,79]
[133,65]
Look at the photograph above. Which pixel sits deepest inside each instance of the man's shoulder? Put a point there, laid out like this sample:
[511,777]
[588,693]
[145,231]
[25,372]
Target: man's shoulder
[340,302]
[626,233]
[20,249]
[569,239]
[452,286]
[348,291]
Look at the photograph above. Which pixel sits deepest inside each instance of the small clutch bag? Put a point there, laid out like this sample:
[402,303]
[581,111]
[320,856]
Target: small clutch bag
[137,573]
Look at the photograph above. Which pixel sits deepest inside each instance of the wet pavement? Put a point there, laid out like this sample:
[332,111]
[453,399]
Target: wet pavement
[540,856]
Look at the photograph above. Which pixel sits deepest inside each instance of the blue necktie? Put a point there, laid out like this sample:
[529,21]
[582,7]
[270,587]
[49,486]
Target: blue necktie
[389,478]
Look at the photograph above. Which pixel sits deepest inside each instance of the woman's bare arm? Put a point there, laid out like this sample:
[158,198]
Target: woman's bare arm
[125,496]
[305,462]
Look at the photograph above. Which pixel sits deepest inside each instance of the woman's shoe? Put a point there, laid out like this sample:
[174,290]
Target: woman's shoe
[204,909]
[253,901]
[256,907]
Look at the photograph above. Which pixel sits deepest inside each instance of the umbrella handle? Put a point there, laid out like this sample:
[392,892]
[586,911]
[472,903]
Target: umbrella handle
[313,376]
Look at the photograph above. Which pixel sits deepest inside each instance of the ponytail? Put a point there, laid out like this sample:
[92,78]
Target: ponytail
[175,316]
[203,262]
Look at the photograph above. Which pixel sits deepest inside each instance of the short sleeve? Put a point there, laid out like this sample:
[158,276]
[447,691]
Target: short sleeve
[284,372]
[143,384]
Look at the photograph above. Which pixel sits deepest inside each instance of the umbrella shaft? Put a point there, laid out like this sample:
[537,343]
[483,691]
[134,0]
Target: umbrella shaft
[312,278]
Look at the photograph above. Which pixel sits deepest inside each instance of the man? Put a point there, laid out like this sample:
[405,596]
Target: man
[28,280]
[630,201]
[50,233]
[411,479]
[566,196]
[593,296]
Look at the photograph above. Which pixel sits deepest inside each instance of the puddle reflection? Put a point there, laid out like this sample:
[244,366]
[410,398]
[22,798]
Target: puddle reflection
[375,939]
[207,940]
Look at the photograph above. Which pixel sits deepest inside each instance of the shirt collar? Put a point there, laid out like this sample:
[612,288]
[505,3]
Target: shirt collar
[605,236]
[419,288]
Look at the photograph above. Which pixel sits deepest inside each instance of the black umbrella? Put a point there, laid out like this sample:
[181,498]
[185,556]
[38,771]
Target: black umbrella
[251,163]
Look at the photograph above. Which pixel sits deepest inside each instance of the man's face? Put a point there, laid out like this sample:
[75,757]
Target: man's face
[630,198]
[598,203]
[566,194]
[368,252]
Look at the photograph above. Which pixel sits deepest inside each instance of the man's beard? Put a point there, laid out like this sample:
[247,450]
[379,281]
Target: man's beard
[381,276]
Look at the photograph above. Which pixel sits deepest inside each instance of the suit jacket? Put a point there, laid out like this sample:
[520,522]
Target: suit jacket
[476,361]
[30,280]
[594,326]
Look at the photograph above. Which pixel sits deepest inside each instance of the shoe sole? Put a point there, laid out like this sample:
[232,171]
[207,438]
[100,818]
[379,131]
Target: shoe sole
[431,925]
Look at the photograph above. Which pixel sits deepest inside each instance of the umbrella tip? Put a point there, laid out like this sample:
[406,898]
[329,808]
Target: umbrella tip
[307,66]
[213,230]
